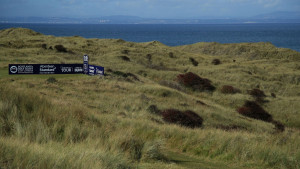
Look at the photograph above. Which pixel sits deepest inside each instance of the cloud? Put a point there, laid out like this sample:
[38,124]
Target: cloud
[146,8]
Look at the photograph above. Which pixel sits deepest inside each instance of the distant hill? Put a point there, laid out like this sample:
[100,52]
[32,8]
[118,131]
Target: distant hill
[279,15]
[275,17]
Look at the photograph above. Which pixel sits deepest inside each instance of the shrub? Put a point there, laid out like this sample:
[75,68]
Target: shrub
[44,46]
[194,62]
[153,109]
[171,55]
[188,118]
[201,103]
[253,110]
[126,75]
[125,51]
[51,80]
[125,58]
[149,57]
[278,126]
[60,48]
[50,48]
[258,95]
[226,89]
[273,95]
[216,62]
[195,82]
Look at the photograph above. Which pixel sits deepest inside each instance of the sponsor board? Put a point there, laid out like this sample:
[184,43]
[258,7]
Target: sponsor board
[95,70]
[15,69]
[85,68]
[85,64]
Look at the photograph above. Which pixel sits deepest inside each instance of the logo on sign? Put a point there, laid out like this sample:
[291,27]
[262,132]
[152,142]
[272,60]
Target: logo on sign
[13,69]
[85,58]
[47,68]
[66,69]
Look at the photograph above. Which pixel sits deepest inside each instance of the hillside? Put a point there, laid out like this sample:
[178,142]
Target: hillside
[121,120]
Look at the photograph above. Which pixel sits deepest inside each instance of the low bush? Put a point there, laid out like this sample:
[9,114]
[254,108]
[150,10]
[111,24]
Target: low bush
[125,58]
[201,103]
[126,75]
[195,82]
[51,80]
[171,55]
[216,62]
[253,110]
[258,95]
[226,89]
[125,51]
[273,95]
[44,46]
[60,48]
[149,57]
[194,62]
[187,118]
[153,109]
[279,127]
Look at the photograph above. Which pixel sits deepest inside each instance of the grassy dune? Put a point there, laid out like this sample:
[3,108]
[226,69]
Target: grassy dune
[80,121]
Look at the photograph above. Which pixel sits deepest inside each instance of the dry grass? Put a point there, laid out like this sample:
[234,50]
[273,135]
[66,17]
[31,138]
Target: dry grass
[86,122]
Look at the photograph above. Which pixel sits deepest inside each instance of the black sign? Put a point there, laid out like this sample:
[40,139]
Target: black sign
[15,69]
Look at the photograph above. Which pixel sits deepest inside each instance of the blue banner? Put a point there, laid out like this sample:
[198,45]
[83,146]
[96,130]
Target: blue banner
[96,70]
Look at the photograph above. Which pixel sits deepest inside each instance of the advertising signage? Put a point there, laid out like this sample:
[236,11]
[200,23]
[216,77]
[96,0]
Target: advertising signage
[85,68]
[45,69]
[96,70]
[85,64]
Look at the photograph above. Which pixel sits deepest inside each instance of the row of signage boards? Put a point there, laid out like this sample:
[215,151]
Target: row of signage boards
[85,68]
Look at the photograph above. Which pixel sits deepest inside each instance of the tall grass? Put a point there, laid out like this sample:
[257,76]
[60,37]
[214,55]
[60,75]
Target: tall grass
[84,122]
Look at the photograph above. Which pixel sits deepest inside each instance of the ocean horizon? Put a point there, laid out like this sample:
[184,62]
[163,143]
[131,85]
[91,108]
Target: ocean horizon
[281,35]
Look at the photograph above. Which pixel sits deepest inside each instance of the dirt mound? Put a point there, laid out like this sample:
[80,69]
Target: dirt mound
[253,110]
[195,82]
[187,118]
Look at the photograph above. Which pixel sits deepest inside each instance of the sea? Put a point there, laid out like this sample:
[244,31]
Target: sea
[283,35]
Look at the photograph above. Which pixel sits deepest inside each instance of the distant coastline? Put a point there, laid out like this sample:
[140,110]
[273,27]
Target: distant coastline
[285,35]
[275,17]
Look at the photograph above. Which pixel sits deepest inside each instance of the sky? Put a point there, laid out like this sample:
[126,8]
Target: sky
[164,9]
